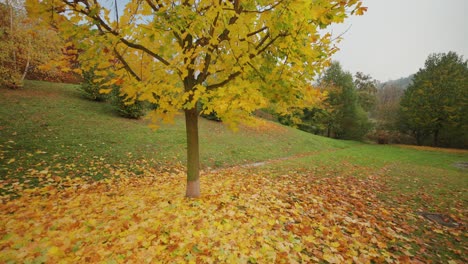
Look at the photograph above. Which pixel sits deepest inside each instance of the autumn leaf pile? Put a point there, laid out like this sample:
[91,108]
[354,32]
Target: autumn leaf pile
[244,216]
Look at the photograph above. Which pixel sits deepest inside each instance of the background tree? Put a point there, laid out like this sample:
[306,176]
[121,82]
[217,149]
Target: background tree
[316,119]
[402,82]
[366,90]
[233,56]
[25,43]
[387,106]
[346,119]
[386,113]
[436,102]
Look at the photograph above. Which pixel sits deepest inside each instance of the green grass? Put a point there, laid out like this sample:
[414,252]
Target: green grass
[54,122]
[407,171]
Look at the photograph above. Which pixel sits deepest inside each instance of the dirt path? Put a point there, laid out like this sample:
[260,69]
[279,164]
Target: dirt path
[273,161]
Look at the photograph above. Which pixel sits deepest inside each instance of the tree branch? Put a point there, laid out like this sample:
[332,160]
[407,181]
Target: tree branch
[257,71]
[257,11]
[220,84]
[267,35]
[153,6]
[109,29]
[126,65]
[271,42]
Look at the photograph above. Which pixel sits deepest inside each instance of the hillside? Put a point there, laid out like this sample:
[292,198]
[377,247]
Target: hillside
[403,82]
[55,121]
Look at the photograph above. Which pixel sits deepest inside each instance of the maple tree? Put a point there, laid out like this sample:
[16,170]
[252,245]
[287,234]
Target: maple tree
[232,56]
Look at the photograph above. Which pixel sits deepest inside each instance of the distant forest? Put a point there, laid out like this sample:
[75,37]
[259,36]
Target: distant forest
[403,82]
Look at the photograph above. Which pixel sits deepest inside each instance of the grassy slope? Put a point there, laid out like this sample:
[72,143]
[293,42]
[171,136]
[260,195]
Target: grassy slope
[54,118]
[49,128]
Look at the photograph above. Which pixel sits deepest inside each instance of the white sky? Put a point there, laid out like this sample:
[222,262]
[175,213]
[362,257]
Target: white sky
[394,38]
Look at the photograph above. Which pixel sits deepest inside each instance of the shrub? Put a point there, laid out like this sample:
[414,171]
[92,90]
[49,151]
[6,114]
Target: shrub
[355,125]
[125,107]
[91,88]
[266,114]
[384,136]
[10,79]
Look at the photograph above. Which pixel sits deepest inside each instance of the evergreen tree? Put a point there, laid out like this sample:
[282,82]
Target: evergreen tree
[366,91]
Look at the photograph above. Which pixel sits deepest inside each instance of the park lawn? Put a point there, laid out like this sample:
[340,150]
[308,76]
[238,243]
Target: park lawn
[50,123]
[270,193]
[408,171]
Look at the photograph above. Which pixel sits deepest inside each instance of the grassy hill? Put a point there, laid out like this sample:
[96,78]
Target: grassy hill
[48,121]
[49,132]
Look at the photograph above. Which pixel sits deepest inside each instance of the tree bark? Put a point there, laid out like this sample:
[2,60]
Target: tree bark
[193,153]
[26,68]
[10,5]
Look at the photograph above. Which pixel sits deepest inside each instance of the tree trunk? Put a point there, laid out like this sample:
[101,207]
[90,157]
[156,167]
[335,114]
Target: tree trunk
[193,153]
[418,138]
[436,137]
[10,5]
[26,68]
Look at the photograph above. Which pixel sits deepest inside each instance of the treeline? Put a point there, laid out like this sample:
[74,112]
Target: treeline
[427,108]
[344,112]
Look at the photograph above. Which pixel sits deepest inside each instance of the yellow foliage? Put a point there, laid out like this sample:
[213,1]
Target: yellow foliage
[234,57]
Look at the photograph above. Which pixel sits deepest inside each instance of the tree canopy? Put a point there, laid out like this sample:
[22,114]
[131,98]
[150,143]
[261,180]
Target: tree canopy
[346,118]
[232,56]
[366,90]
[437,100]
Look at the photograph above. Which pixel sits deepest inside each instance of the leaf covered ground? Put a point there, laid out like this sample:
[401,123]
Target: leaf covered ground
[244,216]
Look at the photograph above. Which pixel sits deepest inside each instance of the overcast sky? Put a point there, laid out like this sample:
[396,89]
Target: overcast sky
[394,38]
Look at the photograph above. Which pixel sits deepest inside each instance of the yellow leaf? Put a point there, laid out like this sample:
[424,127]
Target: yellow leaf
[55,252]
[330,258]
[335,244]
[105,91]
